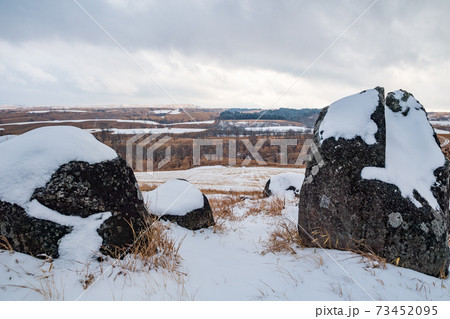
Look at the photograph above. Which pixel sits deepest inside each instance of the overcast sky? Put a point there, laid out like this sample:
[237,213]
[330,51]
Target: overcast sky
[221,53]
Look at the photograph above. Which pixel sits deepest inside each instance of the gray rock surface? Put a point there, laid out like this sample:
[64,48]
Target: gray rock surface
[339,209]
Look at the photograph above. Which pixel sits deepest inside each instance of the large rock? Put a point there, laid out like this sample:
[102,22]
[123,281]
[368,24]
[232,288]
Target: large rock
[180,202]
[83,189]
[59,184]
[378,181]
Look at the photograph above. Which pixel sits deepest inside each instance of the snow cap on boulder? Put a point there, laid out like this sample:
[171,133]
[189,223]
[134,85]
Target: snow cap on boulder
[29,160]
[350,117]
[284,183]
[181,202]
[61,188]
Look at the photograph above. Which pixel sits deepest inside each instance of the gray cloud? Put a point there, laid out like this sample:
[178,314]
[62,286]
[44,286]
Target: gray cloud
[221,52]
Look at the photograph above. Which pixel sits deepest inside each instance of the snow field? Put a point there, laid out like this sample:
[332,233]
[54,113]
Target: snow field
[227,263]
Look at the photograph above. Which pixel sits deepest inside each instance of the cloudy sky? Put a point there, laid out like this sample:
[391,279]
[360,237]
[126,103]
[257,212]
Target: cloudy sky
[221,52]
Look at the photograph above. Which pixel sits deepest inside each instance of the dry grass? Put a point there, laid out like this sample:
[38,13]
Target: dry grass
[322,239]
[153,248]
[147,187]
[284,239]
[5,245]
[276,206]
[144,187]
[272,206]
[443,272]
[370,257]
[222,209]
[45,284]
[242,194]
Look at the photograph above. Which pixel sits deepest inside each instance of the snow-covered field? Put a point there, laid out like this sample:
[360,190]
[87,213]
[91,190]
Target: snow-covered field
[50,111]
[5,138]
[442,123]
[283,128]
[163,130]
[230,262]
[219,178]
[81,121]
[265,126]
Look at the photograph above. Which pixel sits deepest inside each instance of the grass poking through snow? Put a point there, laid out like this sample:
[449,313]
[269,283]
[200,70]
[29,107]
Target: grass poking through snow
[153,248]
[283,239]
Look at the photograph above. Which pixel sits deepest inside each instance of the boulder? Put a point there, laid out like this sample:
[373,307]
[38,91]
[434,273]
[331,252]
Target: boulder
[282,183]
[62,185]
[377,181]
[83,189]
[180,202]
[30,235]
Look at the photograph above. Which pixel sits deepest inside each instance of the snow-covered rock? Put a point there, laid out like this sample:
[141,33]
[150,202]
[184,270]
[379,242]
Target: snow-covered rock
[60,181]
[350,117]
[282,183]
[380,182]
[181,202]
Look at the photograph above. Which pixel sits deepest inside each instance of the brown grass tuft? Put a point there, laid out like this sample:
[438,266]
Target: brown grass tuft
[153,248]
[284,239]
[223,211]
[4,244]
[147,187]
[243,194]
[370,257]
[276,206]
[272,206]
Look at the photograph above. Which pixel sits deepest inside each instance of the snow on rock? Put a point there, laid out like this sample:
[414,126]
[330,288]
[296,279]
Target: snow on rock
[83,242]
[412,154]
[82,189]
[64,194]
[180,202]
[284,182]
[175,197]
[350,117]
[392,195]
[29,160]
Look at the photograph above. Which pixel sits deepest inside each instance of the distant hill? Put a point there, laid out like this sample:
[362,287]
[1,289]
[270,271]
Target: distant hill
[305,116]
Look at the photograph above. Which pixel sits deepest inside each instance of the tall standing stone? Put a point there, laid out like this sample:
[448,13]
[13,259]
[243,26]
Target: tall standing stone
[378,182]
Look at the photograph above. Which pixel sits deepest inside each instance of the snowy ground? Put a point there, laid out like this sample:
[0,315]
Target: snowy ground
[280,129]
[220,178]
[163,130]
[231,263]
